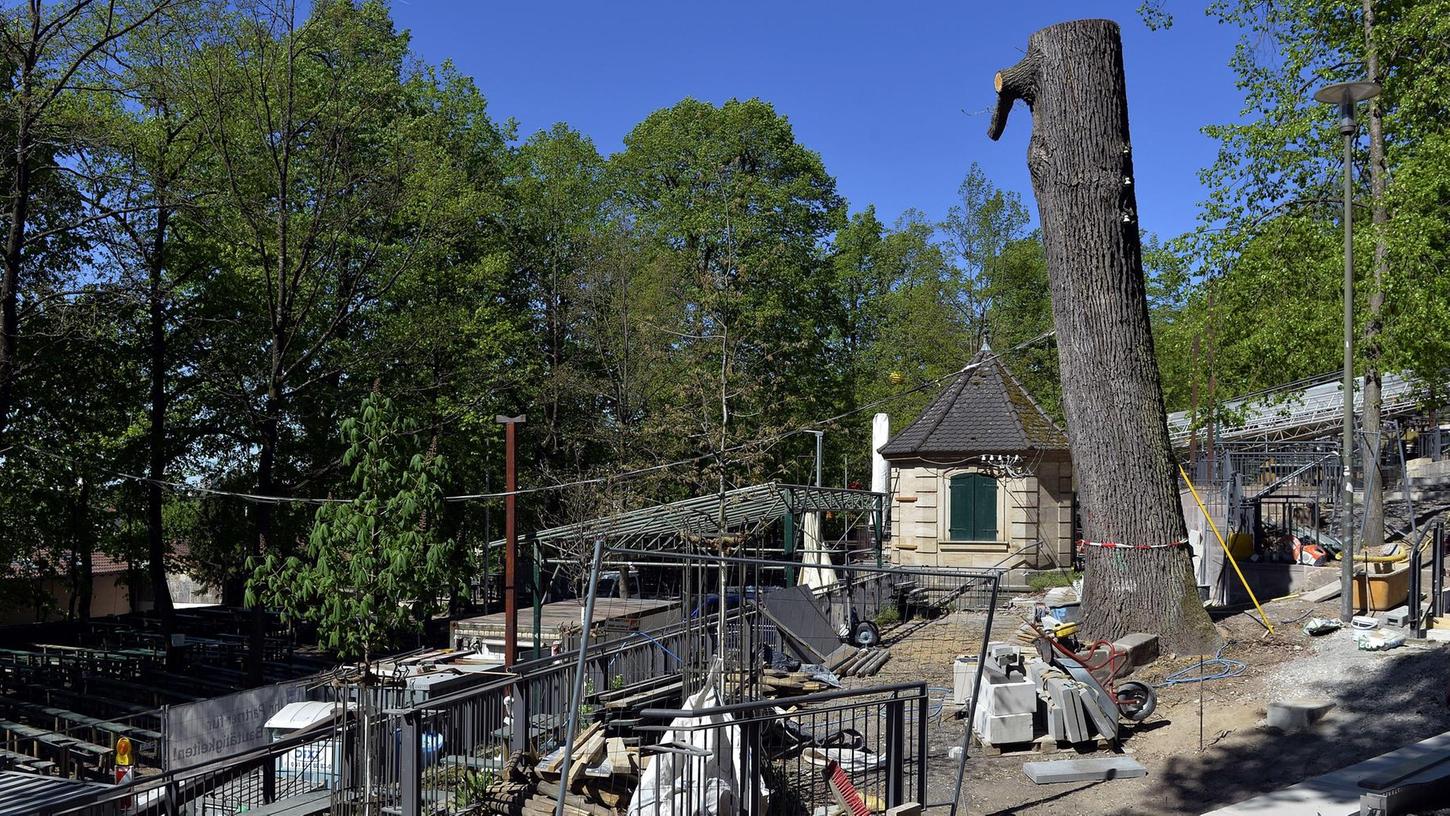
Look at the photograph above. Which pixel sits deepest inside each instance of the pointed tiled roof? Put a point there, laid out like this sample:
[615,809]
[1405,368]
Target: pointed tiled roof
[983,410]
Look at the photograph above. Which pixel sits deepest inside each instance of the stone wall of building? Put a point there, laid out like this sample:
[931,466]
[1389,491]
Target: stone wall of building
[1034,519]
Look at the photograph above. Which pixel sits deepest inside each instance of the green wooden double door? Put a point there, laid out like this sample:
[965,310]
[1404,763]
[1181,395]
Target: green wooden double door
[972,507]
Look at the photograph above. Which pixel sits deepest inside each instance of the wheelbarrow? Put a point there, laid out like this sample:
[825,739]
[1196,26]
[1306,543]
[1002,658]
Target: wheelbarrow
[1099,669]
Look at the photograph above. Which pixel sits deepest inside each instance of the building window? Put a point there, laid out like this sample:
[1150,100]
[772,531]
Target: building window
[972,507]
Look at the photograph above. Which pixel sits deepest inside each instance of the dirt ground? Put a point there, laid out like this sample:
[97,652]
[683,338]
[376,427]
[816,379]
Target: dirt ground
[1383,700]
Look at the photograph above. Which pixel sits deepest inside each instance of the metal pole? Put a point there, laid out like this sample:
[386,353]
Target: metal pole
[511,545]
[877,522]
[976,691]
[789,525]
[1437,571]
[1417,618]
[1346,607]
[1406,486]
[577,699]
[538,600]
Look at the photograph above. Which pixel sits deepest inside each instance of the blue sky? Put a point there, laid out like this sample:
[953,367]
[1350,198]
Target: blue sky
[893,96]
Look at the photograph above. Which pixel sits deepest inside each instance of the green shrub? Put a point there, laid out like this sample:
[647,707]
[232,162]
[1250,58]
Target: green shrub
[1057,578]
[888,615]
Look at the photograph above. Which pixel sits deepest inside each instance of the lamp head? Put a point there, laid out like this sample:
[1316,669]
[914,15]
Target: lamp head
[1346,95]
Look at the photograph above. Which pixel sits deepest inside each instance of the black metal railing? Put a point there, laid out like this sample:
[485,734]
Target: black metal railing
[755,752]
[304,770]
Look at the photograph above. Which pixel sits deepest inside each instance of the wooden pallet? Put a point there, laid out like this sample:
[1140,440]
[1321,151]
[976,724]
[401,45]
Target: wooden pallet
[1044,745]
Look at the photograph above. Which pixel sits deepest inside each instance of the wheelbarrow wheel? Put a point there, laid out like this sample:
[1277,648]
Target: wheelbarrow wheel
[865,634]
[1136,701]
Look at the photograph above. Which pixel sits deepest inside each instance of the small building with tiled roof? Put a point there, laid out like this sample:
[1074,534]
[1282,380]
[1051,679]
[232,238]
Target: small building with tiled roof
[983,477]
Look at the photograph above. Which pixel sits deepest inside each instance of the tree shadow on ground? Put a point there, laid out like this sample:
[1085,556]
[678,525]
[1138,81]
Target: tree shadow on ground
[1399,701]
[1059,793]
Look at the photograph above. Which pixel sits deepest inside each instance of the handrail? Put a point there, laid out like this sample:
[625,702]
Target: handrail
[804,699]
[989,573]
[528,670]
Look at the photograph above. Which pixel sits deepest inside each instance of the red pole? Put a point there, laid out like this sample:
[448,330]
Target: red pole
[511,545]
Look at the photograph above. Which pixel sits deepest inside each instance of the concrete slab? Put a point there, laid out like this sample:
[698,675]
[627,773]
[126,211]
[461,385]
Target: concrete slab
[1324,593]
[1106,710]
[1105,722]
[1074,719]
[1056,723]
[1083,770]
[1337,792]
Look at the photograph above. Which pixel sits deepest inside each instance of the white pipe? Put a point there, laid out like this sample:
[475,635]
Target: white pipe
[880,468]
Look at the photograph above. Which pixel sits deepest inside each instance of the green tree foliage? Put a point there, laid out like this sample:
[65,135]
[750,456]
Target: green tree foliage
[263,212]
[734,213]
[979,229]
[1272,230]
[374,566]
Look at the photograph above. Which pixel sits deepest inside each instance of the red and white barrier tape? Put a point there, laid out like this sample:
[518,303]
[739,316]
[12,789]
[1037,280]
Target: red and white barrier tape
[1112,545]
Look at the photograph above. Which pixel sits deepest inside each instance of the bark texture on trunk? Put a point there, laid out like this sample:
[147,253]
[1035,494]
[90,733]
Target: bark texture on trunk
[1374,500]
[1081,162]
[85,545]
[267,486]
[18,212]
[155,531]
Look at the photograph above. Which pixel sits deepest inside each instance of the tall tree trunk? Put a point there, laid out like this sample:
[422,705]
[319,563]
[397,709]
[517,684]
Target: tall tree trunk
[1081,164]
[155,533]
[85,544]
[18,212]
[1374,500]
[267,486]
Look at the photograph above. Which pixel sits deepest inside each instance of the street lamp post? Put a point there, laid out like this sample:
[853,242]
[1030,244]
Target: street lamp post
[1345,96]
[511,544]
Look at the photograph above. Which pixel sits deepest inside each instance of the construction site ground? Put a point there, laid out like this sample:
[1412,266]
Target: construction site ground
[1382,700]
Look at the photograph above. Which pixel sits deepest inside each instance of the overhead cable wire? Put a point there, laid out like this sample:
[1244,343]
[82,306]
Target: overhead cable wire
[762,443]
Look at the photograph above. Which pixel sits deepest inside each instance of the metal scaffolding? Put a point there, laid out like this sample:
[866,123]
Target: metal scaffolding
[1300,410]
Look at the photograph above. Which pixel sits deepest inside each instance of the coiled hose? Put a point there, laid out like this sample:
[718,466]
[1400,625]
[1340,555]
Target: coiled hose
[1222,669]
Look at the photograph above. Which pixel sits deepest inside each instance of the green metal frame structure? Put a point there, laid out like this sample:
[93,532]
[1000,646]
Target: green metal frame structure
[702,515]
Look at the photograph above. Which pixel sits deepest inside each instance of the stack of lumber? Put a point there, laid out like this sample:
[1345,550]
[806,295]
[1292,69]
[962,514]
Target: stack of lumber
[862,662]
[777,683]
[603,773]
[506,798]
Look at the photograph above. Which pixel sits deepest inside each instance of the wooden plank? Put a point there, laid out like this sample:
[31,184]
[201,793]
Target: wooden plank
[584,756]
[648,696]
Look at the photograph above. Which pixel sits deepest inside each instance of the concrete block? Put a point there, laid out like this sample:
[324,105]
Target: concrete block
[964,677]
[1083,770]
[1007,728]
[1018,697]
[1296,715]
[1398,616]
[1142,648]
[998,651]
[908,809]
[1037,670]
